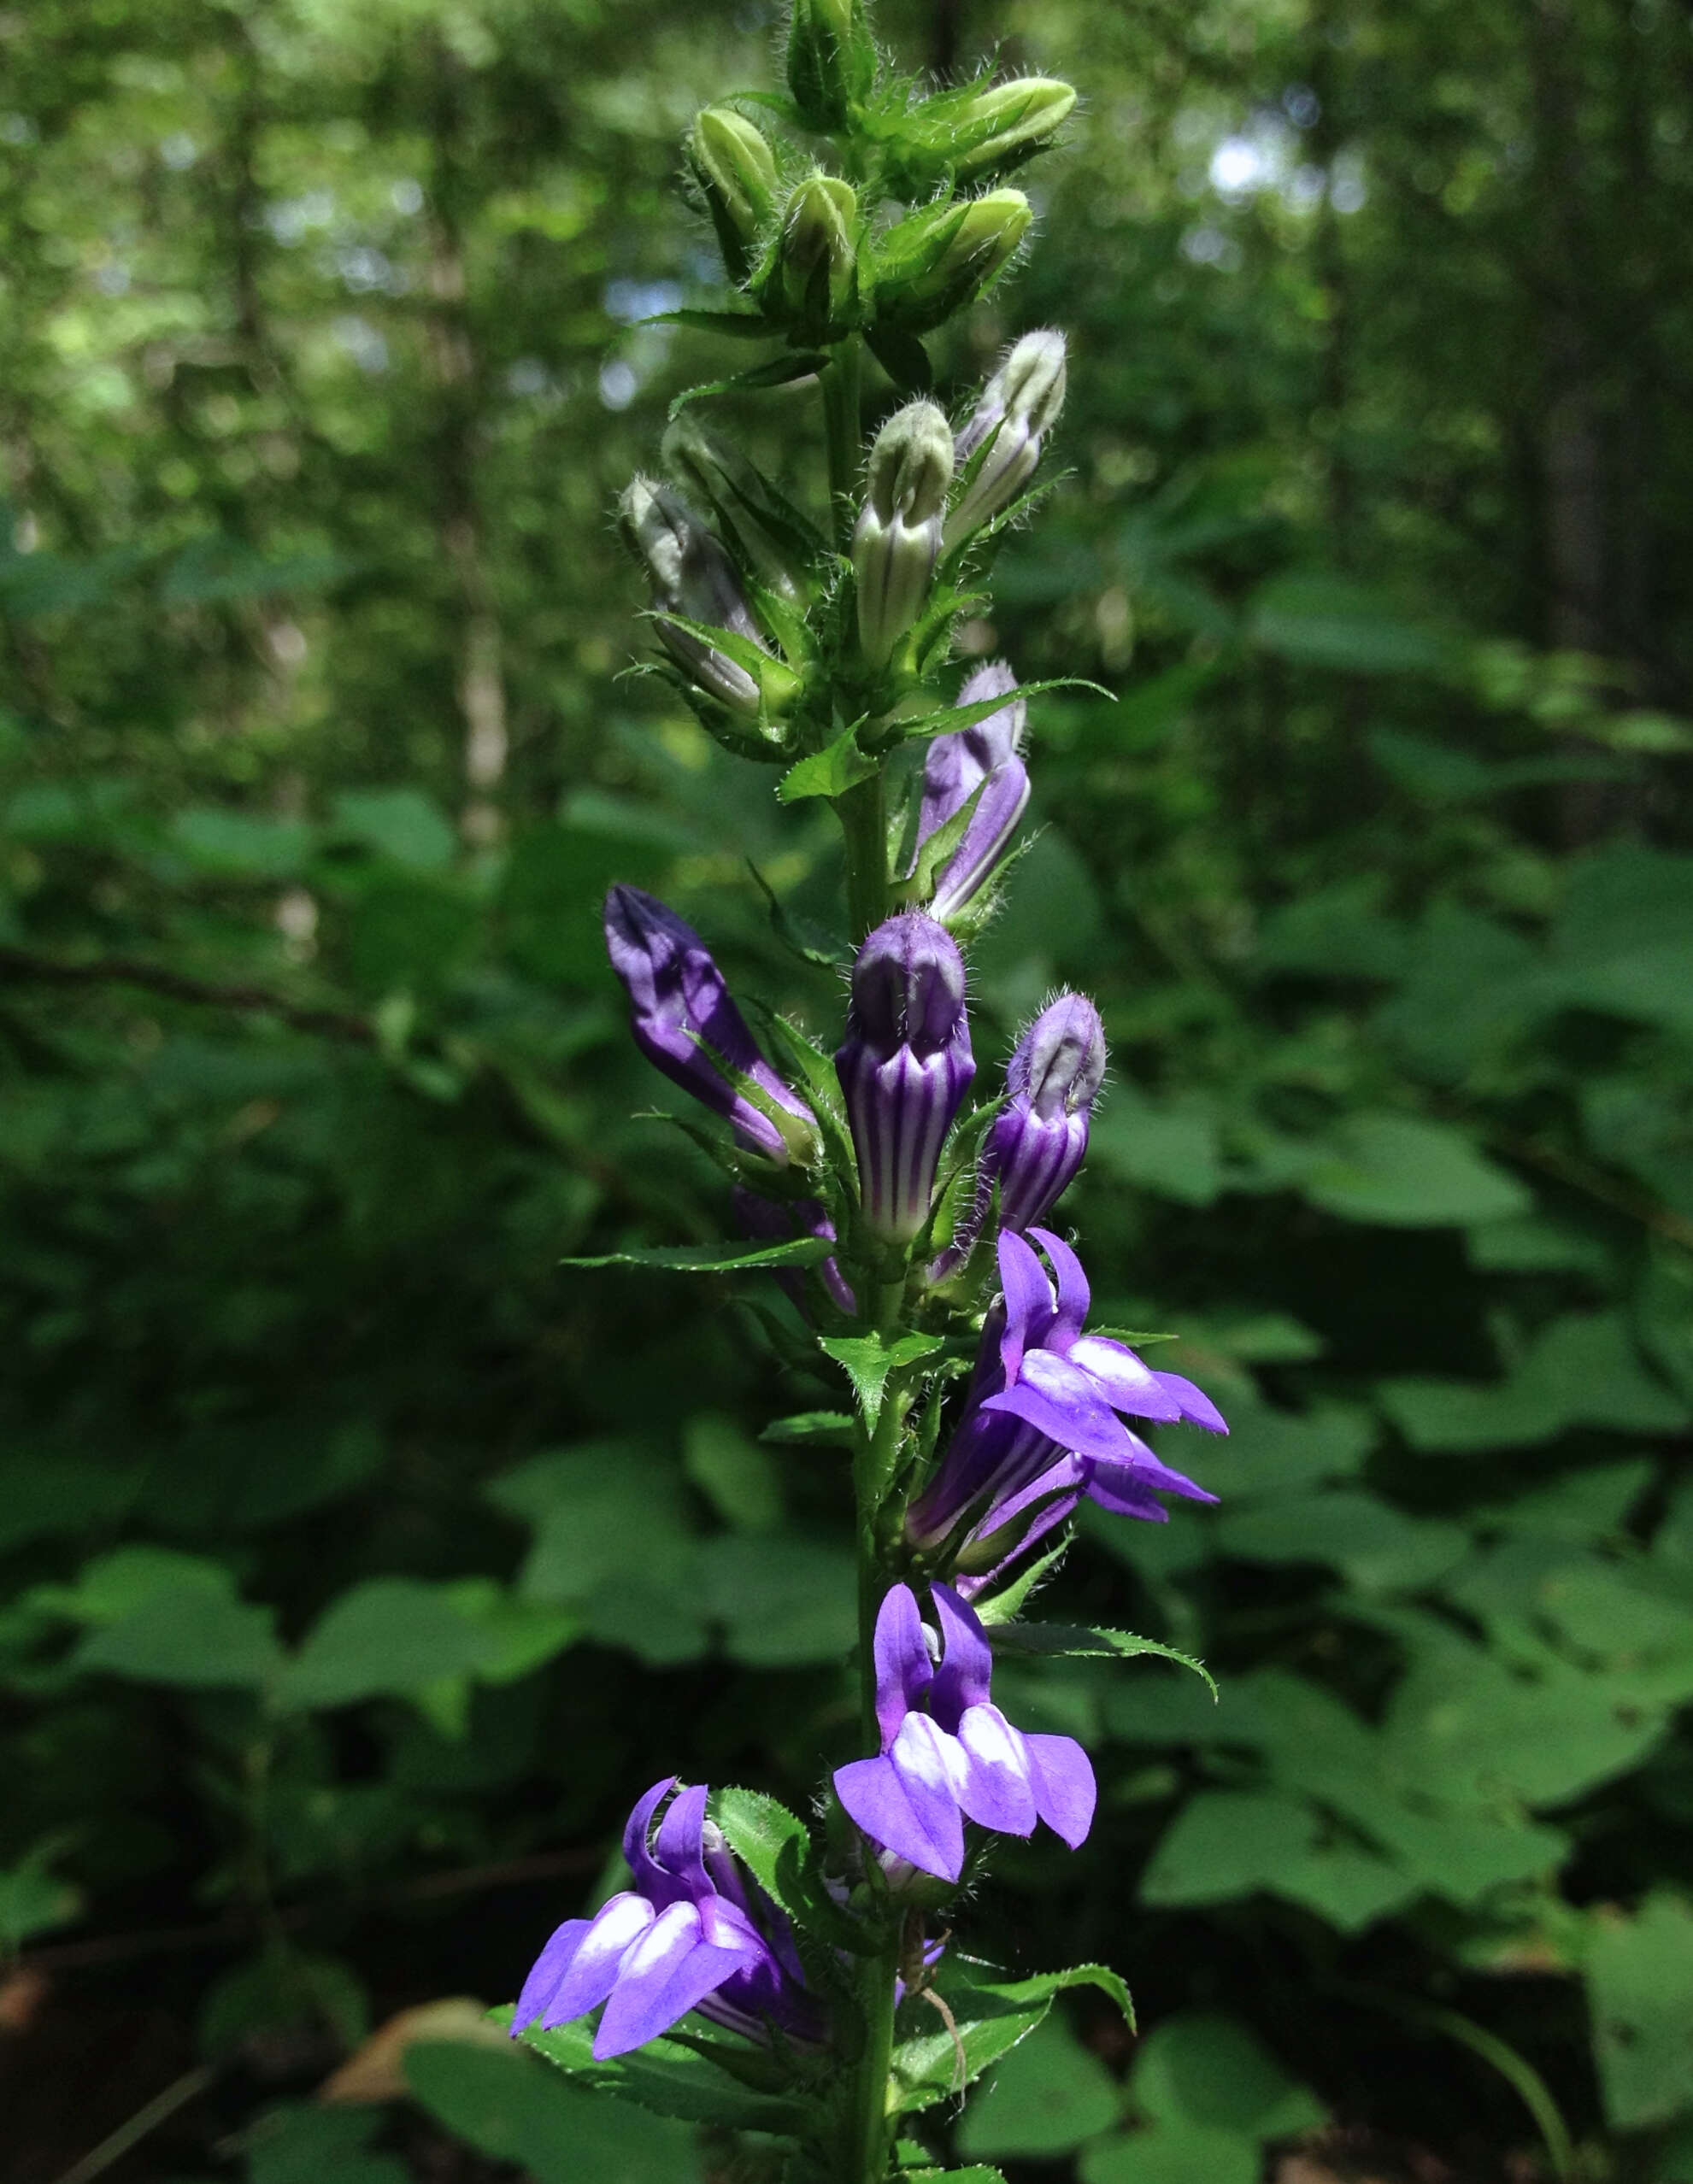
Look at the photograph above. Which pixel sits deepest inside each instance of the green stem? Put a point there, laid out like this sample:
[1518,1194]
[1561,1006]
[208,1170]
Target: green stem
[863,812]
[843,421]
[867,2158]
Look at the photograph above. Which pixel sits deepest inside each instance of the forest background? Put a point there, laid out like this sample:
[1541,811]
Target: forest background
[356,1559]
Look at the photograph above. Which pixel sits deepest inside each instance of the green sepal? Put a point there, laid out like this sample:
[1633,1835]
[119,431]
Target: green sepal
[869,1363]
[668,2077]
[1004,1605]
[934,854]
[815,1071]
[811,942]
[715,1258]
[902,356]
[828,772]
[776,372]
[737,325]
[806,1429]
[754,658]
[1133,1335]
[775,1847]
[991,2016]
[949,719]
[1068,1641]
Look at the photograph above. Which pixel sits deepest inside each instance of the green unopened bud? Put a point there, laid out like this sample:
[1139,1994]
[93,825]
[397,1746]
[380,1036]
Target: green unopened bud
[749,512]
[831,60]
[978,133]
[692,576]
[897,539]
[816,266]
[735,170]
[943,258]
[1019,407]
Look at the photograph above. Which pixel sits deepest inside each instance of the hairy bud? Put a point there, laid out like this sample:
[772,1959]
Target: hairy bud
[691,575]
[1019,407]
[978,133]
[735,170]
[747,509]
[897,538]
[984,757]
[904,1067]
[831,60]
[1040,1137]
[815,275]
[941,259]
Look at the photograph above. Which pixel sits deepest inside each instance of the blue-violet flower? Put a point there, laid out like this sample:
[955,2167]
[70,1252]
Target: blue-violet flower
[947,1753]
[986,756]
[694,1933]
[904,1066]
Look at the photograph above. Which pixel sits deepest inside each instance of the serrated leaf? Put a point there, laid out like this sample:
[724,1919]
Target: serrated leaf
[775,1847]
[714,1258]
[738,325]
[828,772]
[507,2105]
[868,1362]
[990,2017]
[1074,1641]
[778,372]
[834,1428]
[948,720]
[809,941]
[666,2077]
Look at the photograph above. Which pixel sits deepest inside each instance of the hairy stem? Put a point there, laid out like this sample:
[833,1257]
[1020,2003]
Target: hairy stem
[841,422]
[862,811]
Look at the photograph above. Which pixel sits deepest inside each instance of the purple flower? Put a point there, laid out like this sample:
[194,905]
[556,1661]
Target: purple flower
[1041,1427]
[985,757]
[694,1933]
[947,1753]
[685,1024]
[904,1066]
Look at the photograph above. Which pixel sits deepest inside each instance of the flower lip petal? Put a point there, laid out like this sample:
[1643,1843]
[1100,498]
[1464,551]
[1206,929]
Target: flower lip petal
[548,1969]
[1126,1383]
[1119,1489]
[667,1972]
[1196,1406]
[597,1963]
[1028,1301]
[998,1791]
[927,1831]
[1065,1791]
[904,1671]
[1078,1417]
[1074,1294]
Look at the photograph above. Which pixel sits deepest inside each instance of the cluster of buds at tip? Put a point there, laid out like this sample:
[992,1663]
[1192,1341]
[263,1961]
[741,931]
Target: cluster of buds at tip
[812,281]
[1019,406]
[736,171]
[984,762]
[979,133]
[692,576]
[897,539]
[937,260]
[904,1067]
[831,60]
[685,1024]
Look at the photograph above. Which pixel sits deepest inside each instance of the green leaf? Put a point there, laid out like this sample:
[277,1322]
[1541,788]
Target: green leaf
[714,1258]
[1172,1149]
[783,1601]
[402,825]
[235,845]
[1073,1641]
[775,1846]
[194,1637]
[740,1479]
[1047,2096]
[318,2145]
[1582,1369]
[1380,1547]
[1323,620]
[1400,1171]
[869,1362]
[828,772]
[507,2105]
[830,1429]
[1640,1990]
[1226,1844]
[776,372]
[666,2078]
[990,2017]
[385,1636]
[31,1899]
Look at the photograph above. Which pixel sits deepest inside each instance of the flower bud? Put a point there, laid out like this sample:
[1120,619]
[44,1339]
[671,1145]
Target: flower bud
[744,506]
[904,1067]
[686,1026]
[1019,407]
[816,269]
[943,258]
[691,575]
[735,170]
[831,60]
[897,538]
[1040,1138]
[978,133]
[986,756]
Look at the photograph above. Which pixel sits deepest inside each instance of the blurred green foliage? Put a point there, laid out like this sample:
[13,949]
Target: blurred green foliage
[357,1561]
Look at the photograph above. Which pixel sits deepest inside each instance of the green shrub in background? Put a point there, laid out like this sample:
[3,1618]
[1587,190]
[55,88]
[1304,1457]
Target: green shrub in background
[332,1566]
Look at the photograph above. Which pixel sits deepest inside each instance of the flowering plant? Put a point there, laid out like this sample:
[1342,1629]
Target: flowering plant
[760,1972]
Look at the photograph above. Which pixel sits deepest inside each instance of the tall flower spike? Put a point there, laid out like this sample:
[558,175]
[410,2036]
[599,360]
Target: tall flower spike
[904,1066]
[685,1024]
[897,539]
[694,1933]
[986,755]
[692,576]
[1019,407]
[947,1753]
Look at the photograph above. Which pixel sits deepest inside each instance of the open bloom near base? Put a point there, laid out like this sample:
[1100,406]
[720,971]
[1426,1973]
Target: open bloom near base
[947,1753]
[694,1933]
